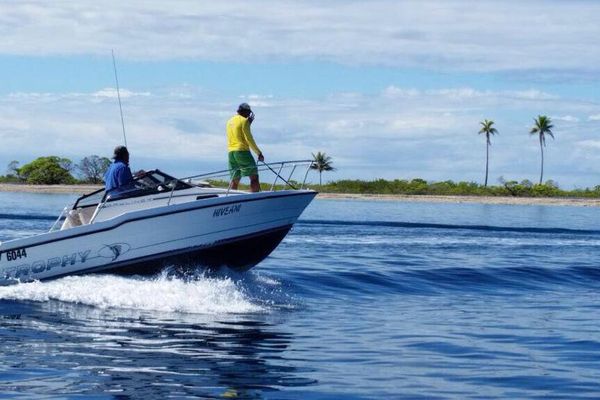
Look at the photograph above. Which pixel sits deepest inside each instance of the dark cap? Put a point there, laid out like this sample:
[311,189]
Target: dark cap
[244,107]
[120,153]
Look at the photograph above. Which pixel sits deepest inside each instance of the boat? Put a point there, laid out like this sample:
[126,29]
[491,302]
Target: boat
[160,221]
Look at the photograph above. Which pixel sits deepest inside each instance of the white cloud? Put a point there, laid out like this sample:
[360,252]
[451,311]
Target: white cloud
[467,93]
[112,93]
[532,94]
[589,144]
[439,34]
[14,124]
[462,93]
[256,100]
[428,134]
[595,117]
[395,92]
[566,118]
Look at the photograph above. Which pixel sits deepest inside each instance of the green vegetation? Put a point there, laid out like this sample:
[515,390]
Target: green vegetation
[47,171]
[542,127]
[321,162]
[52,170]
[488,130]
[449,188]
[419,186]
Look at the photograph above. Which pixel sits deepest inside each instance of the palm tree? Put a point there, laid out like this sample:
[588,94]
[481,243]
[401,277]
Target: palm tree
[321,162]
[486,127]
[543,125]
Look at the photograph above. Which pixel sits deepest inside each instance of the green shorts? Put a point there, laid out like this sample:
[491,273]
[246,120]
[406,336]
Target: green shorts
[241,163]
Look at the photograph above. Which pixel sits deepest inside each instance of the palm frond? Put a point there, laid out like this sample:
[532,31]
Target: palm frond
[321,162]
[542,126]
[486,127]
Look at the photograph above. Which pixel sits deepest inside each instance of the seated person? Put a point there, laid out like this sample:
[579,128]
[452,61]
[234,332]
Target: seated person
[118,174]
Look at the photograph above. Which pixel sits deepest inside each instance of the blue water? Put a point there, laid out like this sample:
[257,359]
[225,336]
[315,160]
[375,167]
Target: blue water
[363,300]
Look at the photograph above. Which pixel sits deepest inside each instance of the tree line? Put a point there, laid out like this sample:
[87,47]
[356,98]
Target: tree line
[52,170]
[418,186]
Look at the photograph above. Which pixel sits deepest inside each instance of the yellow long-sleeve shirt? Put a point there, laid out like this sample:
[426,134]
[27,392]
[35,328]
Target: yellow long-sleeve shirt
[239,137]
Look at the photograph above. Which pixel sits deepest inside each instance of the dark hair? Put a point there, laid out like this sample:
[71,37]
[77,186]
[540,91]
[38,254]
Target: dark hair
[244,110]
[120,153]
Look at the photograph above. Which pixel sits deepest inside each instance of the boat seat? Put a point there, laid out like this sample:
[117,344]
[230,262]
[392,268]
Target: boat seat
[86,214]
[77,218]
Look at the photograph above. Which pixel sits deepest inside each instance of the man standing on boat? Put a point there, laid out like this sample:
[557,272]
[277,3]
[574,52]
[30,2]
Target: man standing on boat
[118,174]
[239,143]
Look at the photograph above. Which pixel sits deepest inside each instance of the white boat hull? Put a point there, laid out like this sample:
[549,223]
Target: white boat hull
[238,231]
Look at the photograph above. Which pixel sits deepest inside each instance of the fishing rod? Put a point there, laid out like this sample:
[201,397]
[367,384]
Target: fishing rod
[119,97]
[280,177]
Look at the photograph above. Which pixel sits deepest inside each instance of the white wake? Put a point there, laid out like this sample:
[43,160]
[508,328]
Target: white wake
[200,296]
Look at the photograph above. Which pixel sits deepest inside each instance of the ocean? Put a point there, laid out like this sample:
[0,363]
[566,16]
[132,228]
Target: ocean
[362,300]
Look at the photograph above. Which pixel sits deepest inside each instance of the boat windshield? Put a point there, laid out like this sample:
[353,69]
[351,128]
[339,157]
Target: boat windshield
[152,182]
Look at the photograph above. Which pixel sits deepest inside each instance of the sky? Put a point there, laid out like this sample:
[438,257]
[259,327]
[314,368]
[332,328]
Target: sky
[389,89]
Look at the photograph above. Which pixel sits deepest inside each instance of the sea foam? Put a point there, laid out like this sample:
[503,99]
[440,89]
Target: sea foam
[203,295]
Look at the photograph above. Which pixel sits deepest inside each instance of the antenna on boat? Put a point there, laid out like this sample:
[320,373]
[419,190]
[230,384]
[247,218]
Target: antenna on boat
[119,96]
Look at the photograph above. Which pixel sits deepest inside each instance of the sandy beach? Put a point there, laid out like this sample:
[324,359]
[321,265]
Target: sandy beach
[83,189]
[74,189]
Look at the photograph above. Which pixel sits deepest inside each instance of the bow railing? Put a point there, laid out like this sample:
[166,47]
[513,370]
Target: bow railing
[282,172]
[285,175]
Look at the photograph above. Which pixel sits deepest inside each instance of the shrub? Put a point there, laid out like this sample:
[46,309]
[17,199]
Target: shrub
[47,171]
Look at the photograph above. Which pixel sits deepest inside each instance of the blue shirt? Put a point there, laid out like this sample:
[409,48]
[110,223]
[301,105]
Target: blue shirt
[118,175]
